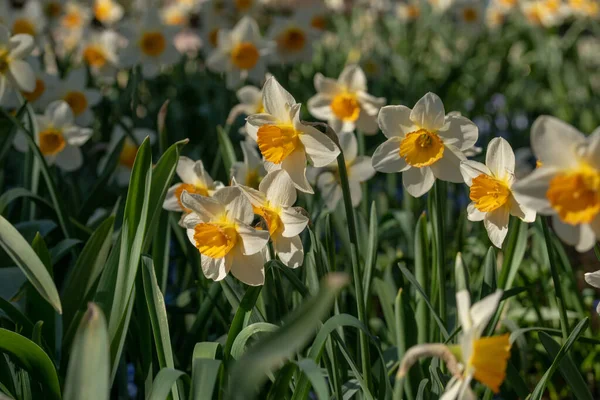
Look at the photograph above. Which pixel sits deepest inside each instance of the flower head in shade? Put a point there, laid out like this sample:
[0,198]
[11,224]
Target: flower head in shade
[293,37]
[219,227]
[359,170]
[251,171]
[567,184]
[99,52]
[284,141]
[492,199]
[28,20]
[14,71]
[45,86]
[74,90]
[423,143]
[482,358]
[250,102]
[344,103]
[58,138]
[150,45]
[194,180]
[273,202]
[240,53]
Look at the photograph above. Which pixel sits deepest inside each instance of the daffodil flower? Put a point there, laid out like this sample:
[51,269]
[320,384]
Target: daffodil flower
[293,37]
[108,12]
[273,201]
[250,98]
[251,171]
[58,138]
[284,141]
[593,278]
[74,90]
[150,45]
[567,184]
[423,143]
[194,180]
[13,70]
[359,170]
[45,86]
[219,227]
[345,103]
[482,358]
[99,52]
[491,195]
[240,53]
[28,20]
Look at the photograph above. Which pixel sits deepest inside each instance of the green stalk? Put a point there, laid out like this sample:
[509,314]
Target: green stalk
[564,322]
[438,217]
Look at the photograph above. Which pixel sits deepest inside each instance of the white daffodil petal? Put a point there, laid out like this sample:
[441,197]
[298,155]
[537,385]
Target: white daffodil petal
[320,150]
[353,79]
[472,169]
[253,240]
[581,236]
[295,165]
[349,146]
[237,205]
[289,250]
[330,189]
[249,269]
[496,225]
[185,170]
[366,123]
[171,203]
[473,214]
[277,100]
[361,169]
[355,193]
[531,190]
[395,121]
[215,268]
[418,181]
[293,222]
[257,198]
[319,106]
[447,168]
[429,113]
[386,157]
[463,307]
[500,158]
[554,142]
[69,159]
[460,132]
[593,278]
[206,207]
[482,311]
[520,211]
[452,389]
[279,189]
[326,86]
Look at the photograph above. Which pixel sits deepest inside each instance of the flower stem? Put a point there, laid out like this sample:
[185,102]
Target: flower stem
[564,322]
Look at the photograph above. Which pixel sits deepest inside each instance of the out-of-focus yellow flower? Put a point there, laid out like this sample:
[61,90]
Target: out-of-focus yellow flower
[567,184]
[344,103]
[284,141]
[547,13]
[490,191]
[219,227]
[108,12]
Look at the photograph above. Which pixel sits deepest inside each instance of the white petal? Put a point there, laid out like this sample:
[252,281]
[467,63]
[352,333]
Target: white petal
[361,170]
[349,146]
[22,74]
[463,309]
[235,202]
[593,150]
[447,168]
[20,142]
[278,188]
[370,104]
[185,170]
[171,203]
[531,190]
[277,100]
[319,106]
[496,224]
[289,250]
[294,222]
[208,208]
[326,85]
[473,214]
[355,193]
[593,278]
[366,123]
[320,150]
[77,136]
[353,78]
[483,310]
[59,113]
[189,221]
[581,236]
[554,142]
[215,268]
[500,158]
[217,61]
[295,165]
[472,169]
[69,159]
[395,121]
[418,181]
[452,389]
[246,30]
[429,113]
[21,46]
[460,132]
[524,213]
[248,269]
[249,95]
[330,189]
[253,240]
[386,157]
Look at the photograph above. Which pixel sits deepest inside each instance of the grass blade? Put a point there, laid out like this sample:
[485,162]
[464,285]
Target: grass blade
[205,370]
[165,379]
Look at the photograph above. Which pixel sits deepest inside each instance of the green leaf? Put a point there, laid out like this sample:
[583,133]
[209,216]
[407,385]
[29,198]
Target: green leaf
[489,282]
[316,377]
[239,345]
[514,252]
[568,369]
[273,349]
[541,386]
[241,314]
[23,255]
[88,374]
[164,381]
[63,248]
[462,274]
[372,242]
[205,370]
[13,194]
[33,359]
[36,307]
[158,318]
[422,277]
[226,149]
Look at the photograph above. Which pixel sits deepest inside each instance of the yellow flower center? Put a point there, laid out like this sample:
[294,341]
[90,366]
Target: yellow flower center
[271,217]
[72,20]
[128,153]
[213,37]
[243,5]
[52,142]
[292,40]
[489,358]
[39,89]
[345,107]
[215,239]
[3,60]
[102,10]
[94,56]
[576,195]
[421,148]
[175,18]
[23,25]
[318,22]
[253,179]
[469,14]
[53,9]
[245,55]
[413,11]
[201,190]
[153,44]
[488,193]
[77,101]
[276,142]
